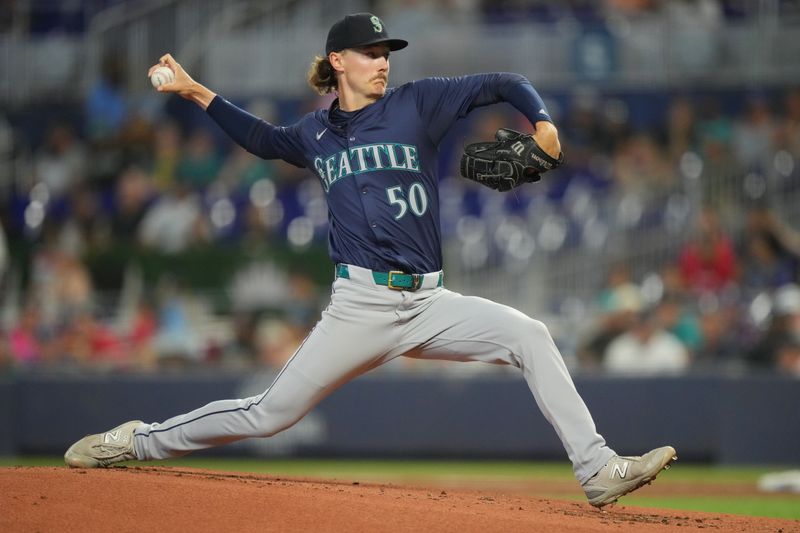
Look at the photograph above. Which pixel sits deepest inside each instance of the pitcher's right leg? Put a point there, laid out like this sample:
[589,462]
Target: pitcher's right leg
[353,336]
[285,402]
[290,397]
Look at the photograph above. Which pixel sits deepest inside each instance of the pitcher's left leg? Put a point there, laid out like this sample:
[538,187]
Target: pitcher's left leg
[467,328]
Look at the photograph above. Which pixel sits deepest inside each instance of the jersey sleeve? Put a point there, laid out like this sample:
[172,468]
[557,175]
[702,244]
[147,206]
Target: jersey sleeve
[258,136]
[442,101]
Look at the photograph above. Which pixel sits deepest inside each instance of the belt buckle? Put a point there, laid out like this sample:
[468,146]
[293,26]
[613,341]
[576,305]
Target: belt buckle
[389,280]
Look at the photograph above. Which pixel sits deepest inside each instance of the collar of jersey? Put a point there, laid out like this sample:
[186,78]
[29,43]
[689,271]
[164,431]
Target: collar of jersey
[354,116]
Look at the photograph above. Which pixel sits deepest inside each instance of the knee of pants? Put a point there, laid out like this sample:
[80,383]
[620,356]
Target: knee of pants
[272,417]
[534,330]
[535,336]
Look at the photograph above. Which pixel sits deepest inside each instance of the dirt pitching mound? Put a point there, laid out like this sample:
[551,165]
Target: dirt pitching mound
[177,499]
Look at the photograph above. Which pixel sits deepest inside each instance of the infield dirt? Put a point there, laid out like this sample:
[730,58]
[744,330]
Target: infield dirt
[179,499]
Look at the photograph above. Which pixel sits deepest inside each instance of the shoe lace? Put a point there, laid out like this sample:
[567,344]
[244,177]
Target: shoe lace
[110,448]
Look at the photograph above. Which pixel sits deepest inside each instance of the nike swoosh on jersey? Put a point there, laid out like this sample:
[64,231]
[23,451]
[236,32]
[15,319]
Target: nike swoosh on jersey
[321,133]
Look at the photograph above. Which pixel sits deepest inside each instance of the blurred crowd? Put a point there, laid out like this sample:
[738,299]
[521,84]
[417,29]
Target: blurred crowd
[723,303]
[728,298]
[117,179]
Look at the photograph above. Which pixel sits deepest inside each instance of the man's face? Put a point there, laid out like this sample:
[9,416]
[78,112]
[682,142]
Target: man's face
[366,70]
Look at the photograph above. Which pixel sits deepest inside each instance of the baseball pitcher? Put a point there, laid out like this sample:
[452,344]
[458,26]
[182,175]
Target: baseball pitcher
[375,153]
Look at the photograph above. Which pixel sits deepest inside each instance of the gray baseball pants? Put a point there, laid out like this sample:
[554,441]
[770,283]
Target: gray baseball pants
[366,325]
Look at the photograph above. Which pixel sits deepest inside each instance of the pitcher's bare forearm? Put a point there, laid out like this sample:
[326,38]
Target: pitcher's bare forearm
[199,94]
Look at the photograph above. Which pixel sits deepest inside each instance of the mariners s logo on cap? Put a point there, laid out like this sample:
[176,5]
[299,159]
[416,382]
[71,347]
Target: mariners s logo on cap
[357,30]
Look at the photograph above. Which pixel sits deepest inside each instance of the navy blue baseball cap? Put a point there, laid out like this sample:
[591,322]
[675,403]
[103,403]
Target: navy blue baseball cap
[360,29]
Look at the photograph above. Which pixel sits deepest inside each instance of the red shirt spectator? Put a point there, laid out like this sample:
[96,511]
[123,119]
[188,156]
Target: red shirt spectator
[708,262]
[23,342]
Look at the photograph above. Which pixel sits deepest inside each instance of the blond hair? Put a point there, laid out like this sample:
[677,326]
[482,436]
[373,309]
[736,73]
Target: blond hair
[321,76]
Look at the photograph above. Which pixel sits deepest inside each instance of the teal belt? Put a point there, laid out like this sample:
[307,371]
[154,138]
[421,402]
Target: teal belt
[395,279]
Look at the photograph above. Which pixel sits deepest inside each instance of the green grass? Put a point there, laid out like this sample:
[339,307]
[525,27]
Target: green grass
[774,506]
[474,472]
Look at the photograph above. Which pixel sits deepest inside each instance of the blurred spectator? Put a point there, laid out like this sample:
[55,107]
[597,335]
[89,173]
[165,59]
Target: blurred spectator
[242,349]
[616,124]
[200,163]
[136,139]
[783,328]
[754,135]
[177,342]
[646,349]
[720,177]
[255,228]
[276,341]
[673,284]
[618,306]
[131,200]
[708,263]
[677,317]
[765,266]
[639,166]
[242,169]
[721,343]
[87,341]
[763,220]
[86,228]
[6,363]
[788,132]
[142,335]
[583,131]
[106,105]
[59,282]
[301,311]
[9,143]
[167,145]
[60,163]
[788,357]
[4,262]
[175,221]
[24,344]
[681,129]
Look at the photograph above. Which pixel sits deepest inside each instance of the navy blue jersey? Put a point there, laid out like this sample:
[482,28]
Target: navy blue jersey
[378,165]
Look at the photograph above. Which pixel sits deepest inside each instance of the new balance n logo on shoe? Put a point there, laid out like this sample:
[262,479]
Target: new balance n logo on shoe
[620,470]
[111,436]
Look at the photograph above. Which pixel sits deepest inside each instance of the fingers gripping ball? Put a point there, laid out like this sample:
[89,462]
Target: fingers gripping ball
[513,159]
[162,75]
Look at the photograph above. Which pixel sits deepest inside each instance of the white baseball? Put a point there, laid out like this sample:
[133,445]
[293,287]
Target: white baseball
[162,75]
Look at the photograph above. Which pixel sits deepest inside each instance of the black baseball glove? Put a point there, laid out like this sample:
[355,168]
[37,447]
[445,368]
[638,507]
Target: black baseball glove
[515,158]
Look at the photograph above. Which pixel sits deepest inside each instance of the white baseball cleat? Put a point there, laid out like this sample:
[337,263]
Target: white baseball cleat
[622,475]
[103,449]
